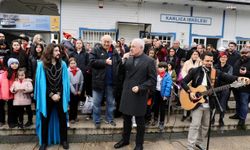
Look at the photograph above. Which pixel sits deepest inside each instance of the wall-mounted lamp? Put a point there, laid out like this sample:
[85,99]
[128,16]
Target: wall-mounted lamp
[100,3]
[231,7]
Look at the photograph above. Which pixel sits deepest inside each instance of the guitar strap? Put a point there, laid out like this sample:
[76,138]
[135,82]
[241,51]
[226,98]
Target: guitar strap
[213,76]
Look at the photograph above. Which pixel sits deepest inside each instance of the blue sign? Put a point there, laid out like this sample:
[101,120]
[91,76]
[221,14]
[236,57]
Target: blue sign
[186,19]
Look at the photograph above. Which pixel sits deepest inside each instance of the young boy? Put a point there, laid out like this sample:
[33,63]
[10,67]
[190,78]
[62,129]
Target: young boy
[162,94]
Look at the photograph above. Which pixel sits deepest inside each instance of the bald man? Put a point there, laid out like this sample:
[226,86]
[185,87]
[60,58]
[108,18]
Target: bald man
[104,61]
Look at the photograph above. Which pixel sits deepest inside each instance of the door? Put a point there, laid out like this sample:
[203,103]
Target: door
[129,31]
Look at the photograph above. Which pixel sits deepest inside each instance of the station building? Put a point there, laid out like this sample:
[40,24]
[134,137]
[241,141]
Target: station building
[202,22]
[205,22]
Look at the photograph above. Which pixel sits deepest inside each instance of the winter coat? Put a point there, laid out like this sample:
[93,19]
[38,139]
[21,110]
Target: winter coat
[20,56]
[98,64]
[189,65]
[82,60]
[236,71]
[22,98]
[142,75]
[32,64]
[227,69]
[5,85]
[166,85]
[76,82]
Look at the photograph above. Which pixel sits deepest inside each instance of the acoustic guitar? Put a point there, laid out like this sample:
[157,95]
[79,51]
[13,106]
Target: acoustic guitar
[188,103]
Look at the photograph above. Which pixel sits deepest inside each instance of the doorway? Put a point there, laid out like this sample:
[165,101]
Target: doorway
[213,42]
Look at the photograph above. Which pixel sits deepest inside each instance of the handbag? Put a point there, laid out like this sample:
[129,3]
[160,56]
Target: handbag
[88,105]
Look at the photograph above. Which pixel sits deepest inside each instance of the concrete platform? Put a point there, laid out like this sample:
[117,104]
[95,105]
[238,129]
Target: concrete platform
[85,130]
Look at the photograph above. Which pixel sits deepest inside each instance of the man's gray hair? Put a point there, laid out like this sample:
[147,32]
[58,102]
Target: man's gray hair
[140,42]
[106,37]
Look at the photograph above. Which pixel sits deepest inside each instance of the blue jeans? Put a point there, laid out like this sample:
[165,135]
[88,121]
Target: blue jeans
[110,104]
[243,103]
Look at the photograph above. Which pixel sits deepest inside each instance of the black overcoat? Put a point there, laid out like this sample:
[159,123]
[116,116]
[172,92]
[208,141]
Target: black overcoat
[142,75]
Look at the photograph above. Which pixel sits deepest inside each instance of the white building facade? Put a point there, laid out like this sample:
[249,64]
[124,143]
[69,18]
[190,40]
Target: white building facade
[186,22]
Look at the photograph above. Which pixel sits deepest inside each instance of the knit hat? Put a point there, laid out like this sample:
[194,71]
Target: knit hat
[11,61]
[223,54]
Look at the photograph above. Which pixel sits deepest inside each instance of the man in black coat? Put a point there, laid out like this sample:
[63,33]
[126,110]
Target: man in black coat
[140,77]
[180,53]
[242,95]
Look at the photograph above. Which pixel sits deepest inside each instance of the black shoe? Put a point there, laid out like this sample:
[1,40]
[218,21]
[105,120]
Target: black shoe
[1,124]
[117,114]
[183,118]
[28,124]
[221,122]
[147,123]
[235,116]
[190,119]
[20,125]
[97,125]
[200,147]
[120,144]
[43,147]
[12,125]
[241,125]
[138,147]
[154,122]
[65,145]
[161,126]
[212,121]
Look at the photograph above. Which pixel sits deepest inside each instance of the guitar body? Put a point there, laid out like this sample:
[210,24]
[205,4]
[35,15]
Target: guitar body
[187,103]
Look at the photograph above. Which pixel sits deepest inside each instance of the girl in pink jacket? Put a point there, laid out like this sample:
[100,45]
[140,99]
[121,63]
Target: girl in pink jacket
[7,78]
[21,88]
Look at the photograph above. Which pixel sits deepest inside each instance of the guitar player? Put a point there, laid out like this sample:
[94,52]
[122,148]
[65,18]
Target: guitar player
[200,116]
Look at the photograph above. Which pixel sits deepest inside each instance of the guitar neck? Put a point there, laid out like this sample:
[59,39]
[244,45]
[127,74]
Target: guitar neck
[217,89]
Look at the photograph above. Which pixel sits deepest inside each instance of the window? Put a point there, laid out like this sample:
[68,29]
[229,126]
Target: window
[168,39]
[200,40]
[241,43]
[93,36]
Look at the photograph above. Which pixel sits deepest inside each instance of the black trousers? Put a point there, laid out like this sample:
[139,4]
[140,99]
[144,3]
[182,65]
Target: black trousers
[12,119]
[159,105]
[140,130]
[29,112]
[20,113]
[74,99]
[62,120]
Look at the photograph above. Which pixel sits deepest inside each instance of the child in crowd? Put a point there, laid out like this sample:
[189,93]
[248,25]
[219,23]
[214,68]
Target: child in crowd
[21,88]
[171,71]
[7,79]
[76,85]
[162,94]
[152,54]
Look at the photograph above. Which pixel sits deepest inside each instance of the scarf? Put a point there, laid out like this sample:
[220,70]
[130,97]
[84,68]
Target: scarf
[21,81]
[74,70]
[162,74]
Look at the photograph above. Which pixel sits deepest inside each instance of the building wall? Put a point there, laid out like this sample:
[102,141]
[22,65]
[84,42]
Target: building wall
[86,14]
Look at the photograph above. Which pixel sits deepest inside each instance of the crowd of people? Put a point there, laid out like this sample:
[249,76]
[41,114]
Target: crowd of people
[135,80]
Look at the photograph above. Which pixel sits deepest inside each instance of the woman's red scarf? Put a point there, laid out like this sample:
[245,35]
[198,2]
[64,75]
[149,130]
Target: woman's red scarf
[74,70]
